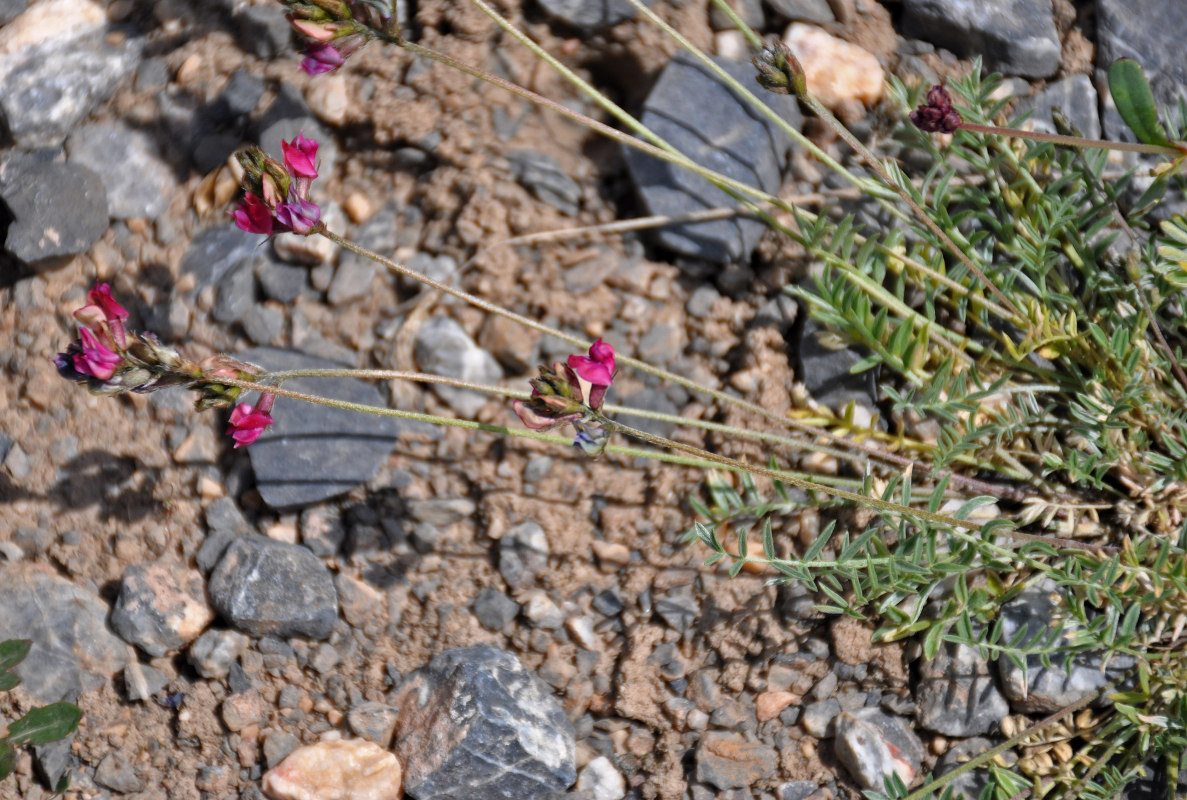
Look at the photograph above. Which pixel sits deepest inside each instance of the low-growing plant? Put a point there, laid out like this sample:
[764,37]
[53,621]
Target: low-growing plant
[1024,312]
[40,725]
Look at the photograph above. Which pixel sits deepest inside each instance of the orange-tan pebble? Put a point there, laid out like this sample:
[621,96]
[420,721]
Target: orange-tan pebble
[769,705]
[352,769]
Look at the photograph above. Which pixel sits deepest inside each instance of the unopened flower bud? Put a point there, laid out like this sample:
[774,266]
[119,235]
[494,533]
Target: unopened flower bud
[779,71]
[937,115]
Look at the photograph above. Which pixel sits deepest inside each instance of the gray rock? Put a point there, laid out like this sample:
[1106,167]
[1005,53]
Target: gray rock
[152,75]
[373,721]
[1074,97]
[750,11]
[236,294]
[967,786]
[263,587]
[494,609]
[796,790]
[73,649]
[314,452]
[591,272]
[262,31]
[475,722]
[873,745]
[701,302]
[353,280]
[695,113]
[729,761]
[282,282]
[523,552]
[49,88]
[678,607]
[57,209]
[650,400]
[160,607]
[239,97]
[138,182]
[263,325]
[661,343]
[1039,689]
[142,681]
[957,695]
[169,319]
[213,653]
[818,718]
[443,348]
[216,251]
[818,12]
[55,759]
[1017,37]
[540,174]
[1152,32]
[825,373]
[591,14]
[277,745]
[118,775]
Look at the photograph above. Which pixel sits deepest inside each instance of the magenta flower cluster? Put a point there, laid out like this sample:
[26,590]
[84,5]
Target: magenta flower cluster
[110,361]
[572,393]
[281,201]
[334,29]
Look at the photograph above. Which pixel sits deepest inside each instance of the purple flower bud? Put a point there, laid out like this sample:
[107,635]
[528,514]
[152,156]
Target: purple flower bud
[937,115]
[321,58]
[253,215]
[300,216]
[248,421]
[300,156]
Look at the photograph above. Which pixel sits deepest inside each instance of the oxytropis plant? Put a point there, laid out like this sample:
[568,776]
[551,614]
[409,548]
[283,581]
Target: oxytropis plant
[1025,314]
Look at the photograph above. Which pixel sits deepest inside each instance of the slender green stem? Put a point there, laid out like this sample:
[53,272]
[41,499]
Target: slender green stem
[1076,141]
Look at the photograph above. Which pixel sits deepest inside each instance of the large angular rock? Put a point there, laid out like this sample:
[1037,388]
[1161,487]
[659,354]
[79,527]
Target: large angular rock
[691,109]
[73,649]
[957,695]
[314,452]
[1017,37]
[1152,32]
[264,587]
[1044,690]
[591,14]
[444,348]
[161,607]
[476,725]
[1074,97]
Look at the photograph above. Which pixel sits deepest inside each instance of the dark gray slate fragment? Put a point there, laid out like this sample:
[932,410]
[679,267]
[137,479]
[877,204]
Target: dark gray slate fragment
[57,209]
[494,609]
[957,695]
[699,116]
[160,607]
[817,11]
[118,775]
[444,348]
[262,586]
[591,14]
[236,294]
[49,88]
[263,31]
[1017,37]
[1042,689]
[314,452]
[73,649]
[825,372]
[1152,32]
[138,182]
[475,723]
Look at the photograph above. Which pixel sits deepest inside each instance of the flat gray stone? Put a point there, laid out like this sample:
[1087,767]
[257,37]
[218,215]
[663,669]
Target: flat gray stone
[73,649]
[957,694]
[693,111]
[58,209]
[475,723]
[1151,32]
[1074,97]
[444,348]
[591,14]
[1017,37]
[315,452]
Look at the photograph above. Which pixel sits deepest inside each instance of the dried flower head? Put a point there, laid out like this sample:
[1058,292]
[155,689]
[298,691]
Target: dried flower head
[937,115]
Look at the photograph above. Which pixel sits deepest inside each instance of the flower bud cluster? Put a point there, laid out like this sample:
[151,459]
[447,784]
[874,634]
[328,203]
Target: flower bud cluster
[572,393]
[276,198]
[336,28]
[779,71]
[111,361]
[937,115]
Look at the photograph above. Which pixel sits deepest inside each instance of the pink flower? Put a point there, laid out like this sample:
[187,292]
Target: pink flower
[253,215]
[104,314]
[300,156]
[321,58]
[597,370]
[94,358]
[300,216]
[248,421]
[317,31]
